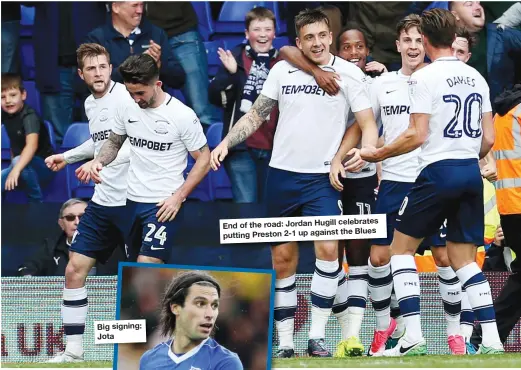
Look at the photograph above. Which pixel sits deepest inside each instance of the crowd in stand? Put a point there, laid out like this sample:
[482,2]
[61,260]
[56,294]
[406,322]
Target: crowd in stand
[172,34]
[489,41]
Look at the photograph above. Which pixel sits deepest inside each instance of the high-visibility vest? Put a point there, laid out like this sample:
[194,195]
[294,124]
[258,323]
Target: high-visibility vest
[492,219]
[507,151]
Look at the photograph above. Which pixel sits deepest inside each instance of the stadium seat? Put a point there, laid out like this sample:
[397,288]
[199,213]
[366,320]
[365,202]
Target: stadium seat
[27,21]
[204,16]
[231,41]
[33,96]
[220,182]
[178,94]
[27,59]
[438,4]
[214,134]
[203,191]
[52,136]
[213,58]
[6,149]
[76,189]
[231,17]
[76,135]
[6,145]
[280,41]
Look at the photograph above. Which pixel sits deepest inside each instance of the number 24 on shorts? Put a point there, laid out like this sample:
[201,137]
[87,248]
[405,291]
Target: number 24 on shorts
[159,235]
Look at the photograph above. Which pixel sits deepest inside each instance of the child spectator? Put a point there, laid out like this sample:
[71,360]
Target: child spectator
[29,138]
[237,84]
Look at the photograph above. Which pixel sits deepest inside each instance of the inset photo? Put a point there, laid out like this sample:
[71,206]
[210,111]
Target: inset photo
[197,318]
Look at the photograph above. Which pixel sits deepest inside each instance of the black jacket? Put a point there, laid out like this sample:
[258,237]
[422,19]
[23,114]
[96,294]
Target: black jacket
[507,100]
[50,260]
[171,73]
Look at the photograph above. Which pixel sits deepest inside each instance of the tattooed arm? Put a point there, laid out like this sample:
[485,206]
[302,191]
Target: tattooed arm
[244,128]
[106,155]
[251,121]
[110,149]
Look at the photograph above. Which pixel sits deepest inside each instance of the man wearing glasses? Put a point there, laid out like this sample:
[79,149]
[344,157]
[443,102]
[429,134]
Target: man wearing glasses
[51,259]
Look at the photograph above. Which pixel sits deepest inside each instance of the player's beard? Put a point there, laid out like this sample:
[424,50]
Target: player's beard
[97,89]
[147,104]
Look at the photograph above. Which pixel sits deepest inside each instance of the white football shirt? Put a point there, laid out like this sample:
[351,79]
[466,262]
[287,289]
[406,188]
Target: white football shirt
[390,94]
[370,168]
[112,191]
[456,96]
[311,123]
[160,140]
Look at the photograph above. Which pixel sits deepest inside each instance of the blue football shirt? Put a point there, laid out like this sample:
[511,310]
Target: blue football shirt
[209,355]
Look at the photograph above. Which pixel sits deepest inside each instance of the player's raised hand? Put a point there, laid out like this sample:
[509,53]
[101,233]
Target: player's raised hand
[218,155]
[228,60]
[169,207]
[95,169]
[336,170]
[354,162]
[55,162]
[327,81]
[489,171]
[375,66]
[83,172]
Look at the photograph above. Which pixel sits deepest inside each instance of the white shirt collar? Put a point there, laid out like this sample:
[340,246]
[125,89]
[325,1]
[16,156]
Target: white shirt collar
[187,355]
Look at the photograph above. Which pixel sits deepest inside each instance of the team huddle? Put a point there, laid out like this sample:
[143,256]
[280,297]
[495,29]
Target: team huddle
[435,122]
[138,193]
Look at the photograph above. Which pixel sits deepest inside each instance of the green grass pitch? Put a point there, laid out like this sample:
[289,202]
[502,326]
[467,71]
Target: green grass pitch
[512,360]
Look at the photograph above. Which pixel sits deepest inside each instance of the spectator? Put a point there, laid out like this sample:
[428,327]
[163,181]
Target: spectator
[493,53]
[507,127]
[10,37]
[127,33]
[29,138]
[179,20]
[378,21]
[511,17]
[59,27]
[235,87]
[463,44]
[52,258]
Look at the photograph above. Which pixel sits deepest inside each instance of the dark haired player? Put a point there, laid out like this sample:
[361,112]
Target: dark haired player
[189,310]
[310,127]
[161,131]
[451,119]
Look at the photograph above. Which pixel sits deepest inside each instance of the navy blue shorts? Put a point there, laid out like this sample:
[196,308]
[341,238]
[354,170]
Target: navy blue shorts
[156,237]
[101,230]
[390,197]
[291,194]
[451,189]
[358,195]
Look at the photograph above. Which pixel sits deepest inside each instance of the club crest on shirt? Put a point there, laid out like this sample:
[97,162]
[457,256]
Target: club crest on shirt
[104,115]
[161,128]
[412,85]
